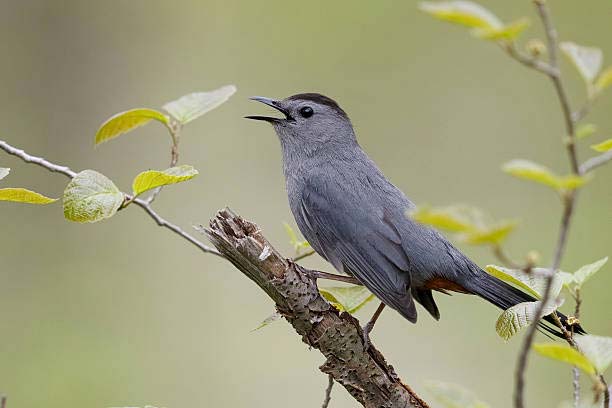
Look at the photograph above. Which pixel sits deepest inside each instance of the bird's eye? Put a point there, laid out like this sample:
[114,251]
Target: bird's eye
[306,111]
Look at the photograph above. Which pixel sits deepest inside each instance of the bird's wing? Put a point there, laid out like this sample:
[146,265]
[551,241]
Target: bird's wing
[357,240]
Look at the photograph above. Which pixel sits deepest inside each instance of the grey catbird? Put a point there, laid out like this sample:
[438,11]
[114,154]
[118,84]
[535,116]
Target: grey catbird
[356,219]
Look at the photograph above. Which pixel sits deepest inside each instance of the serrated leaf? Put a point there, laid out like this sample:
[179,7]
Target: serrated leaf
[151,179]
[91,197]
[512,320]
[528,170]
[4,172]
[603,146]
[604,80]
[453,396]
[21,195]
[587,60]
[597,349]
[566,354]
[192,106]
[347,298]
[465,13]
[509,31]
[586,130]
[268,320]
[495,234]
[124,122]
[586,271]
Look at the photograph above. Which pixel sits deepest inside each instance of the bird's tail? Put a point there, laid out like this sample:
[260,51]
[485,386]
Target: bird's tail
[505,296]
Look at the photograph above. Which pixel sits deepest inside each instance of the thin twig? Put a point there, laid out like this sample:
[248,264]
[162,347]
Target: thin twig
[568,201]
[175,132]
[499,253]
[576,385]
[3,401]
[527,60]
[304,255]
[328,390]
[141,203]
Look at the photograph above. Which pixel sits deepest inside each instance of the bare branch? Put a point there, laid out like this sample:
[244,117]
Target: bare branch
[365,374]
[569,201]
[141,203]
[328,391]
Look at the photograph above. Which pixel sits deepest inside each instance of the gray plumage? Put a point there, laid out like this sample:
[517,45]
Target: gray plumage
[356,219]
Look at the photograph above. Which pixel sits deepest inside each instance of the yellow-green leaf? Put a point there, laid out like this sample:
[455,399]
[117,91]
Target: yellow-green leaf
[268,320]
[517,277]
[453,396]
[528,170]
[4,172]
[91,197]
[495,234]
[585,130]
[604,80]
[509,31]
[464,13]
[150,179]
[347,298]
[21,195]
[191,106]
[512,320]
[597,349]
[444,218]
[125,121]
[586,271]
[566,354]
[603,146]
[587,60]
[297,244]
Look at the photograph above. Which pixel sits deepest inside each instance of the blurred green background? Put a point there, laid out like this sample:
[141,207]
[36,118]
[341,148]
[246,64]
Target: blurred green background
[123,313]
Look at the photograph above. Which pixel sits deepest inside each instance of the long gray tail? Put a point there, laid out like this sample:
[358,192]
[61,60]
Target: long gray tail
[505,296]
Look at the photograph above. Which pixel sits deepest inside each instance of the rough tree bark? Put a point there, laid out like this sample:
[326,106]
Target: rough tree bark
[338,336]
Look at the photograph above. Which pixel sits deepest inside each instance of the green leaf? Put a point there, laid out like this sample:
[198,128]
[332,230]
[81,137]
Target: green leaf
[566,354]
[597,349]
[512,320]
[124,122]
[528,170]
[462,12]
[445,218]
[91,197]
[495,234]
[453,396]
[347,298]
[525,281]
[293,239]
[191,106]
[471,224]
[507,32]
[587,60]
[148,180]
[21,195]
[268,320]
[586,130]
[586,271]
[4,172]
[604,80]
[603,146]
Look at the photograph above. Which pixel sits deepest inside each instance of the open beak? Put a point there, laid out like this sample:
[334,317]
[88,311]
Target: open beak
[270,102]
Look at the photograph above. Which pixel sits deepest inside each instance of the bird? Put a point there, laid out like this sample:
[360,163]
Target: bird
[356,219]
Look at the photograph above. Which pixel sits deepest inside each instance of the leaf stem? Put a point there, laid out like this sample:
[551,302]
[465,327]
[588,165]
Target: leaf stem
[304,255]
[174,128]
